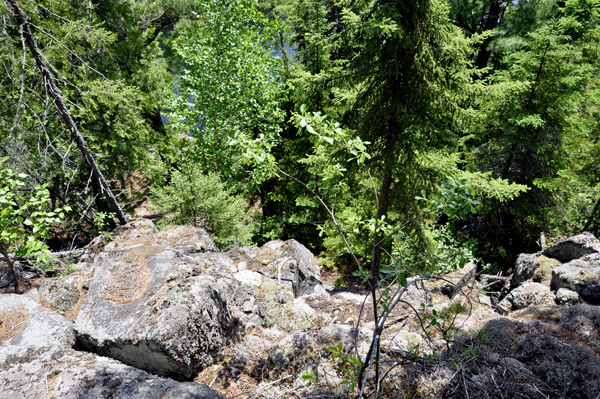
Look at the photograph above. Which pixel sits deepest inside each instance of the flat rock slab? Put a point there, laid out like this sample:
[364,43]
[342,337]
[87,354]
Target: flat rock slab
[25,322]
[156,308]
[26,372]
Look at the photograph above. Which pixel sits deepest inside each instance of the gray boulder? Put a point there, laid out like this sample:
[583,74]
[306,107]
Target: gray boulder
[25,373]
[25,322]
[525,295]
[573,247]
[581,276]
[285,261]
[536,267]
[188,239]
[60,293]
[161,310]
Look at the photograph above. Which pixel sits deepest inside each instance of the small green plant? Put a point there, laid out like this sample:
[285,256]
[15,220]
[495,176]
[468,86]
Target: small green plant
[444,321]
[310,377]
[339,282]
[24,220]
[480,335]
[349,365]
[202,200]
[101,227]
[455,199]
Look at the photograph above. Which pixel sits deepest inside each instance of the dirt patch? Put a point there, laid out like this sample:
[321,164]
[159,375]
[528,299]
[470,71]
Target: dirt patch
[128,281]
[11,324]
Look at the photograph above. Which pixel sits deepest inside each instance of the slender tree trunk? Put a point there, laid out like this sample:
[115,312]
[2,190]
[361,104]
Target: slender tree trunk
[64,112]
[497,8]
[591,218]
[11,267]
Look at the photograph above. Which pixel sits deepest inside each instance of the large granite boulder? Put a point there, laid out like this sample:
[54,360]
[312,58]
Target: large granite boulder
[63,294]
[25,322]
[36,360]
[188,239]
[536,267]
[28,372]
[580,275]
[161,309]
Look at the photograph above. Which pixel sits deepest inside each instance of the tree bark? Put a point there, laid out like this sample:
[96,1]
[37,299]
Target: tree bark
[49,81]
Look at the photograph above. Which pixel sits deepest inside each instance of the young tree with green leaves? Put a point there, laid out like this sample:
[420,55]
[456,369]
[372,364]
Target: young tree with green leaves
[402,81]
[230,86]
[24,219]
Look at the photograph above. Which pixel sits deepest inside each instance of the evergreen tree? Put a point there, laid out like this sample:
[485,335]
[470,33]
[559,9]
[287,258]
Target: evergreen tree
[531,112]
[401,81]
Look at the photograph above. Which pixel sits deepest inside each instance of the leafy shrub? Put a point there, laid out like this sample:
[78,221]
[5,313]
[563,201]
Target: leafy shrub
[202,200]
[24,220]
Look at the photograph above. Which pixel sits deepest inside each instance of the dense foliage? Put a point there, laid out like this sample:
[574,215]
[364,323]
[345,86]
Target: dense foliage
[497,102]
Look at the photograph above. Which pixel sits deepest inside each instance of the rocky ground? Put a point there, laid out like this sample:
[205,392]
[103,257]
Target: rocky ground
[165,314]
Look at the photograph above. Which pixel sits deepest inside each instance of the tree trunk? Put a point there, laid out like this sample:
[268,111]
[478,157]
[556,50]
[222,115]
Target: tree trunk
[64,112]
[11,267]
[494,16]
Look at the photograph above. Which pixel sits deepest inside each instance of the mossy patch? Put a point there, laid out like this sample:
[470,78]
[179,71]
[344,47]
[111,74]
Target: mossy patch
[588,278]
[543,269]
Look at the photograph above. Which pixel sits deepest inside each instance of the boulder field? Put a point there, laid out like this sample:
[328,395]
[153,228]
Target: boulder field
[165,314]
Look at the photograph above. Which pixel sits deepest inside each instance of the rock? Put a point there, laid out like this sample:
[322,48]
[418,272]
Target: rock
[453,282]
[573,247]
[543,267]
[158,309]
[286,261]
[5,275]
[27,373]
[565,296]
[283,297]
[504,307]
[581,276]
[286,313]
[25,322]
[417,293]
[60,293]
[253,279]
[188,239]
[220,259]
[524,268]
[524,296]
